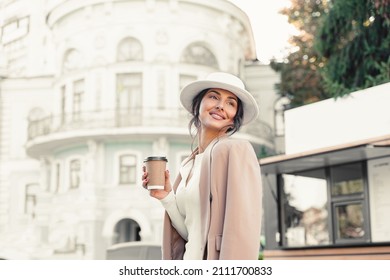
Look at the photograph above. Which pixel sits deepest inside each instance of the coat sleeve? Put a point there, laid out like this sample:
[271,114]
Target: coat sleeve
[173,245]
[177,220]
[243,211]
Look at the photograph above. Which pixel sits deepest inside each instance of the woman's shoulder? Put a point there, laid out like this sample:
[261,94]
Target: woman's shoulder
[227,144]
[234,151]
[229,141]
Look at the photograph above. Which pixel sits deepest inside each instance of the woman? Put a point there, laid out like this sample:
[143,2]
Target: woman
[213,210]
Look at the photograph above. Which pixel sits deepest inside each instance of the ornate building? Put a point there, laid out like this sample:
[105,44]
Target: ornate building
[90,88]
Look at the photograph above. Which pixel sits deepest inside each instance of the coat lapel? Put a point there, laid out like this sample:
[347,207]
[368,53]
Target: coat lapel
[205,191]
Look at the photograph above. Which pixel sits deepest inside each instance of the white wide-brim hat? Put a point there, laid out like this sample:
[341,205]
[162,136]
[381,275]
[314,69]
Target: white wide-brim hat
[224,81]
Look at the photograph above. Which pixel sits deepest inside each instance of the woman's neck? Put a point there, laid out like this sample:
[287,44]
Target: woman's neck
[205,138]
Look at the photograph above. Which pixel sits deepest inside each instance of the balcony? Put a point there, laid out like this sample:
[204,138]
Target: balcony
[92,120]
[51,132]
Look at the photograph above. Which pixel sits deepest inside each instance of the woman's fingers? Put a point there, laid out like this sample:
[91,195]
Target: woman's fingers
[145,178]
[167,186]
[159,194]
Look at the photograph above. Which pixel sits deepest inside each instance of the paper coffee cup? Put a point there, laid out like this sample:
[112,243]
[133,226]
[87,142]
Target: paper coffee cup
[156,166]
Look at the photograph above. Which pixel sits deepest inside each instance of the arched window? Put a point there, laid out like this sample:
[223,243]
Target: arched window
[129,49]
[36,113]
[72,60]
[197,53]
[126,230]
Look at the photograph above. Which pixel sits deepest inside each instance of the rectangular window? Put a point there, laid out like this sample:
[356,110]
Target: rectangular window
[127,169]
[63,105]
[305,212]
[161,90]
[75,173]
[129,99]
[30,199]
[379,178]
[347,179]
[324,206]
[349,221]
[348,200]
[78,98]
[57,178]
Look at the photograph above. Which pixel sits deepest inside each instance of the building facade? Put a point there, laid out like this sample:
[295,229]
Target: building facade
[88,89]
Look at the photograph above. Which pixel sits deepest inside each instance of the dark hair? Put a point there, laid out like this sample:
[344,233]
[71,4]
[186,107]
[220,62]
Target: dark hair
[237,120]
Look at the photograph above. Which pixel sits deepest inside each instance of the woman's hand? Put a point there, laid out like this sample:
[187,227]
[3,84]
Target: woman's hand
[158,194]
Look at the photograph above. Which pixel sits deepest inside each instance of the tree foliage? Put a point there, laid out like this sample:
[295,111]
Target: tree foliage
[301,79]
[341,46]
[354,43]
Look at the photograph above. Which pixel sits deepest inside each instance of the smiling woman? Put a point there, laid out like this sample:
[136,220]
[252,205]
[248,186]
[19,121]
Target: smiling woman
[216,111]
[213,210]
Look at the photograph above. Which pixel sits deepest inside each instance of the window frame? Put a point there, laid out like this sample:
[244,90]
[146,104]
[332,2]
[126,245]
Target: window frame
[337,239]
[207,56]
[70,187]
[128,168]
[58,175]
[129,49]
[117,166]
[63,90]
[30,195]
[78,99]
[128,98]
[350,199]
[331,204]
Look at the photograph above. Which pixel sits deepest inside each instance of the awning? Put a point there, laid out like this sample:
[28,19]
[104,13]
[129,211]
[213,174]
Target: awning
[325,157]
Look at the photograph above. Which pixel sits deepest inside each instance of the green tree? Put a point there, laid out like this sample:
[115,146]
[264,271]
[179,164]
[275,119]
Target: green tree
[301,79]
[354,43]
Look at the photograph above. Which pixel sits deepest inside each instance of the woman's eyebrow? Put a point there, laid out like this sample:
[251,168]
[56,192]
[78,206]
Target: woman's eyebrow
[229,97]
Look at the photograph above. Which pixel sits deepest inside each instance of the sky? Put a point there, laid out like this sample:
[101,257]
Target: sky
[270,29]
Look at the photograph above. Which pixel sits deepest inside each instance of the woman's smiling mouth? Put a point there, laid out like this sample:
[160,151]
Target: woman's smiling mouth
[217,116]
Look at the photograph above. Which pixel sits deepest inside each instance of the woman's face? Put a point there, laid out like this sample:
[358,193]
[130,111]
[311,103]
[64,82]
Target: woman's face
[217,109]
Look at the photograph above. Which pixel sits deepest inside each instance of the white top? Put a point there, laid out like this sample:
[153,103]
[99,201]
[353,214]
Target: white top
[183,208]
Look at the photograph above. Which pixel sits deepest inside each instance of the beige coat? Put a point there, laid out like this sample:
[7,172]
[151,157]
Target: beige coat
[231,204]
